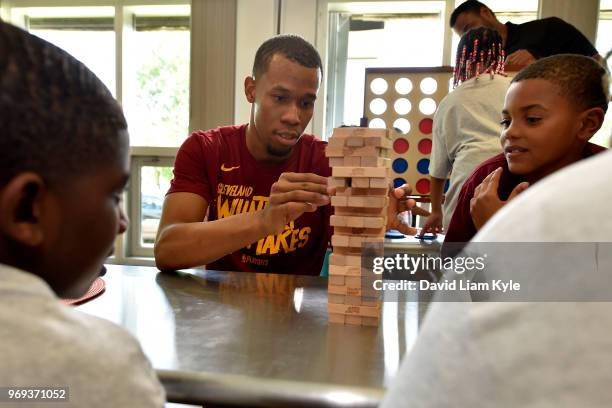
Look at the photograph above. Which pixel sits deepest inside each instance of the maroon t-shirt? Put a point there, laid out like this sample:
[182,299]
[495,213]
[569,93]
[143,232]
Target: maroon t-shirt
[461,227]
[217,165]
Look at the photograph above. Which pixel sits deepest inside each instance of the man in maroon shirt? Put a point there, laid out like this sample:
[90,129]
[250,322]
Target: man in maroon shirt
[262,187]
[552,108]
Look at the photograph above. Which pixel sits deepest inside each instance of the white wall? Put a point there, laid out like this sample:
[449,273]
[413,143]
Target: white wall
[583,14]
[255,23]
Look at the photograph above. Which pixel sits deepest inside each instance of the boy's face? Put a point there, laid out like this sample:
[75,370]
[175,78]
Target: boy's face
[540,129]
[470,19]
[283,103]
[83,221]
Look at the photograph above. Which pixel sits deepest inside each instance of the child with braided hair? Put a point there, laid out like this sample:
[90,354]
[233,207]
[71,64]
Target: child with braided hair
[466,125]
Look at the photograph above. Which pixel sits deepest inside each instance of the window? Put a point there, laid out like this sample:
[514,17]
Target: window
[149,182]
[363,35]
[604,46]
[156,75]
[75,30]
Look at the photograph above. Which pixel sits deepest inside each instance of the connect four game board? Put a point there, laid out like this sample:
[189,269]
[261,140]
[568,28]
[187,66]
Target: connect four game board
[404,100]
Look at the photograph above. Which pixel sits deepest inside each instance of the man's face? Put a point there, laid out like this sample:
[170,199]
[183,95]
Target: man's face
[540,129]
[85,216]
[469,19]
[283,102]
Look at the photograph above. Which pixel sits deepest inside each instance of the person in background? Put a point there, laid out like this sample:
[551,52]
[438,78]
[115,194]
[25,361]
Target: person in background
[524,43]
[64,154]
[466,125]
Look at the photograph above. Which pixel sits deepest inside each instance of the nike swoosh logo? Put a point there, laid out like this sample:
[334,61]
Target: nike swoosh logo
[223,168]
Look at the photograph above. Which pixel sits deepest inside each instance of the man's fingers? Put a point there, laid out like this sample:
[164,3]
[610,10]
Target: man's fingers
[402,191]
[299,196]
[303,177]
[405,205]
[283,186]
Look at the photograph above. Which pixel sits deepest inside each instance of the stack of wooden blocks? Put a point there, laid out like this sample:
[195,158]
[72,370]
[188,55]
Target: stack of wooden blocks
[361,176]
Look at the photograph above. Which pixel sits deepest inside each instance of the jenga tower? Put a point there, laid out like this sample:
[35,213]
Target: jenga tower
[361,176]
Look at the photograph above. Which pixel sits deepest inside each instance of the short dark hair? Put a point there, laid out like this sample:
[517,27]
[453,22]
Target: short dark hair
[56,117]
[469,6]
[582,80]
[292,47]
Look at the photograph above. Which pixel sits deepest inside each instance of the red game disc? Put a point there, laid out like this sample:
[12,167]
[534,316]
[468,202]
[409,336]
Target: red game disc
[426,126]
[425,146]
[422,186]
[401,145]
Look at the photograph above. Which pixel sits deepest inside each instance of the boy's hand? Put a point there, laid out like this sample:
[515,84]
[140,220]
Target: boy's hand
[291,196]
[486,202]
[433,224]
[398,203]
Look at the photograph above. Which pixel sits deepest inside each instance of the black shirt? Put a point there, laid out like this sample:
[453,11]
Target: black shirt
[548,36]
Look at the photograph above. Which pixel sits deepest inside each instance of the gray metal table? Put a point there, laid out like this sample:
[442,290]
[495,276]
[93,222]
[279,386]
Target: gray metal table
[231,338]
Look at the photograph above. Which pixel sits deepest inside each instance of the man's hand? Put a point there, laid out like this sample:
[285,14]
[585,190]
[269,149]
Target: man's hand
[433,224]
[291,196]
[486,202]
[521,58]
[398,203]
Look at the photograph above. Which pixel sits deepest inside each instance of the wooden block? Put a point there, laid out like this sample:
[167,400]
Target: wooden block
[356,141]
[337,280]
[360,172]
[337,182]
[357,191]
[360,182]
[352,320]
[347,251]
[334,151]
[340,240]
[364,211]
[334,298]
[344,260]
[344,289]
[359,222]
[365,301]
[379,182]
[366,151]
[335,142]
[378,142]
[366,201]
[352,300]
[375,162]
[336,161]
[353,241]
[337,270]
[359,131]
[353,310]
[335,318]
[339,201]
[352,161]
[362,240]
[368,232]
